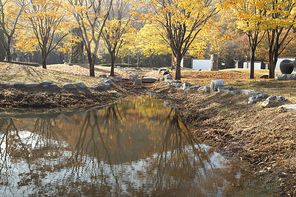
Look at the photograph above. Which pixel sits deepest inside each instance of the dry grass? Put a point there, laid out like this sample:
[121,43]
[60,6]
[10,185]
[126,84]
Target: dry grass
[60,74]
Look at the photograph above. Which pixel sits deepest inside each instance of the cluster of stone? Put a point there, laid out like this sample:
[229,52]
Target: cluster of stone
[218,86]
[49,85]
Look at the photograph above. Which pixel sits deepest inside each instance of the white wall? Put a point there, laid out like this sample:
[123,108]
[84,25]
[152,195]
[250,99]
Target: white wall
[198,64]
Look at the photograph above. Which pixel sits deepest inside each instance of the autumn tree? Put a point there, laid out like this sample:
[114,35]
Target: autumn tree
[10,12]
[250,15]
[116,26]
[150,42]
[181,21]
[91,16]
[280,17]
[46,20]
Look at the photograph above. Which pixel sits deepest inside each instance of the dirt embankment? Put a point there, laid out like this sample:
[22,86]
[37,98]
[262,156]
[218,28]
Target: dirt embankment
[262,139]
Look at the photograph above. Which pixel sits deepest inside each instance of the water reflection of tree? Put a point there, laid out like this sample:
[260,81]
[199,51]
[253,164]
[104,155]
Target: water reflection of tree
[97,159]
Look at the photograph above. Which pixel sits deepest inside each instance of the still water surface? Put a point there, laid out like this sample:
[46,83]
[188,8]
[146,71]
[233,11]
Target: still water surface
[135,147]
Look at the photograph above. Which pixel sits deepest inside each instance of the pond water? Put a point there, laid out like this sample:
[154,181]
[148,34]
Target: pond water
[134,147]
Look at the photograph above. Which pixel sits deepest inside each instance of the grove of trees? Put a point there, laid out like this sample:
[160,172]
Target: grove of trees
[233,29]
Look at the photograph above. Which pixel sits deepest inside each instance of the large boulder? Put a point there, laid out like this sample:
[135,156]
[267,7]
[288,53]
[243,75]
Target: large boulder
[274,101]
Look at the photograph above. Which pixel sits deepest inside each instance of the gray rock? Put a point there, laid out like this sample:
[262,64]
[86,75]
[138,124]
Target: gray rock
[273,101]
[149,79]
[52,86]
[117,79]
[138,82]
[45,83]
[195,87]
[215,84]
[250,92]
[100,86]
[185,85]
[27,85]
[133,76]
[80,85]
[225,88]
[257,98]
[48,85]
[176,84]
[168,77]
[69,86]
[288,107]
[103,76]
[205,88]
[7,84]
[285,77]
[109,81]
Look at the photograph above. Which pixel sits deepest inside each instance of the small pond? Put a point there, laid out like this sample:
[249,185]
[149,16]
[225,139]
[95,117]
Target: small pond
[134,147]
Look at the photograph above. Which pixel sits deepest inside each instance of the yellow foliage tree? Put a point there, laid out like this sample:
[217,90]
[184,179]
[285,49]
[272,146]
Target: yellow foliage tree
[91,16]
[150,42]
[181,21]
[250,14]
[117,25]
[280,18]
[46,21]
[10,12]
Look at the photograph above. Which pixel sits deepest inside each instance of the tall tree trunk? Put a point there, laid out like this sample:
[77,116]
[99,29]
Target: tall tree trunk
[8,53]
[252,62]
[44,57]
[92,65]
[178,67]
[112,57]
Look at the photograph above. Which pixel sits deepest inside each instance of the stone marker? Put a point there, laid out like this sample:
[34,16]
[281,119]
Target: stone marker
[214,62]
[215,84]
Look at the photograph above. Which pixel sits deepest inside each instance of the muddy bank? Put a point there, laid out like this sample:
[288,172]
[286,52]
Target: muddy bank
[262,139]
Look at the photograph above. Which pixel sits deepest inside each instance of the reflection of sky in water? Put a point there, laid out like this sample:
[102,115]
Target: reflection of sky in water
[154,157]
[129,172]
